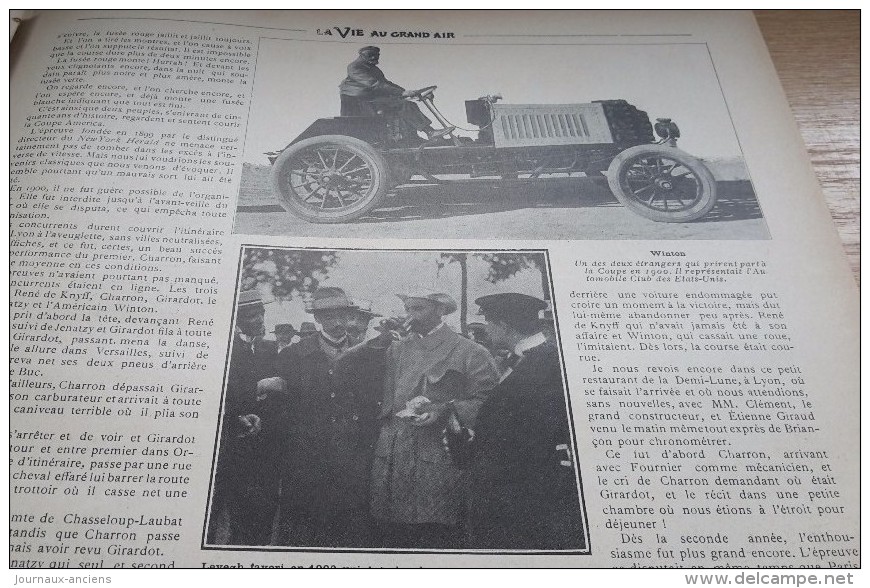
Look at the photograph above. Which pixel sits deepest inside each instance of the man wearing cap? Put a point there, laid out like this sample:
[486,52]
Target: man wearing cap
[366,90]
[324,490]
[417,492]
[252,435]
[523,489]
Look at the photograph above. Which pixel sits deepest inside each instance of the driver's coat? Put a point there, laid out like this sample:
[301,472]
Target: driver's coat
[367,81]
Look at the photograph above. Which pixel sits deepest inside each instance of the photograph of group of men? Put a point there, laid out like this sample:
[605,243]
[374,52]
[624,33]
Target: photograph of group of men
[389,425]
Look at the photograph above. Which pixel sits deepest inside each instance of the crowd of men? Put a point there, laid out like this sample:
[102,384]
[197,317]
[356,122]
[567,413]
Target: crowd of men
[417,437]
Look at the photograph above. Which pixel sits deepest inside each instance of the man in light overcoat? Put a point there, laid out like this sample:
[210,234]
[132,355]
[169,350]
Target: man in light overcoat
[417,492]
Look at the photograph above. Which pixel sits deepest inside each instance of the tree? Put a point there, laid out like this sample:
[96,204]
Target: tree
[287,273]
[506,265]
[502,265]
[462,260]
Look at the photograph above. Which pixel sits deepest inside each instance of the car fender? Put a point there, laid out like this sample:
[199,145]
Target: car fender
[370,129]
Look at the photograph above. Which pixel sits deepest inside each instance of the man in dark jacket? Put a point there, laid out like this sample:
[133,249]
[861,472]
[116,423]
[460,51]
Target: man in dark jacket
[366,91]
[253,434]
[524,491]
[325,482]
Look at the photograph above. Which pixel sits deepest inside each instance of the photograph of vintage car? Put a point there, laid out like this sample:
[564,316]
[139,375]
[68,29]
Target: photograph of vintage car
[391,150]
[340,168]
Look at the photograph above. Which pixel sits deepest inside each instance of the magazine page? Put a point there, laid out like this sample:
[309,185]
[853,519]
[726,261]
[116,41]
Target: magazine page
[422,289]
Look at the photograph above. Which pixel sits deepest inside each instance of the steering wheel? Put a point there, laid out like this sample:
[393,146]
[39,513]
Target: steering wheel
[422,93]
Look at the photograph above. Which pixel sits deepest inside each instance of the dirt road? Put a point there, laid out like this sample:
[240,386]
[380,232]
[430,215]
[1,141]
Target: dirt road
[569,208]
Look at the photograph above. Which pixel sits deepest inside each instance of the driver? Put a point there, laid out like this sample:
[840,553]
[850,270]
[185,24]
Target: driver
[366,90]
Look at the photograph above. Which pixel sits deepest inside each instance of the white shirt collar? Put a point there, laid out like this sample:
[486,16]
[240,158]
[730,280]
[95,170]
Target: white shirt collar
[251,339]
[340,341]
[529,342]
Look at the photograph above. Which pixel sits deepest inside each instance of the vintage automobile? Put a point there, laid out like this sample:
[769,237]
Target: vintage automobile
[341,168]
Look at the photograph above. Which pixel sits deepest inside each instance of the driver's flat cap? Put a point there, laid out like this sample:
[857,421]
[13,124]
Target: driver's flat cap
[510,305]
[369,49]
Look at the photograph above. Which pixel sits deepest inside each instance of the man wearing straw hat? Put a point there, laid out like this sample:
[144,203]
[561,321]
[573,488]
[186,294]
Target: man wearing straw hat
[417,493]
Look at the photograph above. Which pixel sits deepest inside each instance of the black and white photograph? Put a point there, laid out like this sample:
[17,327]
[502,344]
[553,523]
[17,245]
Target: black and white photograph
[410,400]
[488,140]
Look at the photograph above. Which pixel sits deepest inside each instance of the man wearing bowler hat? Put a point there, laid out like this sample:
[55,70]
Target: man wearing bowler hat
[284,333]
[523,489]
[417,493]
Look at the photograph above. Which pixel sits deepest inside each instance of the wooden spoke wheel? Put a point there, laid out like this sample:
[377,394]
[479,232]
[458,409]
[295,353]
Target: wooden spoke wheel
[662,183]
[330,179]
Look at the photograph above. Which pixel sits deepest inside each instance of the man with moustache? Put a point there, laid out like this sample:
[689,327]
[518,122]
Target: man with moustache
[359,374]
[324,491]
[252,436]
[417,493]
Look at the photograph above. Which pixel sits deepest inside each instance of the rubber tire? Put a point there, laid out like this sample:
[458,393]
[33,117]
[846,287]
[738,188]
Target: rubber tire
[619,168]
[375,161]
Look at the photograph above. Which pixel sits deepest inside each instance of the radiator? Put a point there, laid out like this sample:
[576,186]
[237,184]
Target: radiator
[527,125]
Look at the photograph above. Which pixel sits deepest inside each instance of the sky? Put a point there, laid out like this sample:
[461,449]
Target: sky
[377,276]
[297,82]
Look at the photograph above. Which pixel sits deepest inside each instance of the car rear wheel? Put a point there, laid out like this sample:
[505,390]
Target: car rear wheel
[330,179]
[662,183]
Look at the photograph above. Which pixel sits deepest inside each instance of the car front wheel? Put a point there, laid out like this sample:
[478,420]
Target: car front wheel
[330,179]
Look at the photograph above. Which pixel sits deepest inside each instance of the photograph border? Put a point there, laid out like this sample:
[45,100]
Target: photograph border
[712,62]
[350,550]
